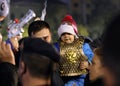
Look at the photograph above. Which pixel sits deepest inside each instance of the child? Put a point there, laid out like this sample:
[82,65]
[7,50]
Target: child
[76,55]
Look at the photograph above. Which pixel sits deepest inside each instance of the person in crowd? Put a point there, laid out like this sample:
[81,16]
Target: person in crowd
[36,66]
[42,62]
[111,51]
[96,73]
[76,55]
[40,29]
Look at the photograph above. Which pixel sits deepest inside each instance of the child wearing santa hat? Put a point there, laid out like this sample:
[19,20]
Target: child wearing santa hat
[76,55]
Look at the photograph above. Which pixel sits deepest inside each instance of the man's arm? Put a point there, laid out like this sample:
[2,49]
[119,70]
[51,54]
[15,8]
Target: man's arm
[8,72]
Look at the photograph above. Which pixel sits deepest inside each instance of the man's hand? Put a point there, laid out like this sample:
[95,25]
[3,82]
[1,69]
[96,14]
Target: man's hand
[14,41]
[6,53]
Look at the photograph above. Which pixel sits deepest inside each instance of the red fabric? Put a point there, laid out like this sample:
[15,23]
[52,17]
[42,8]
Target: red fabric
[16,20]
[69,18]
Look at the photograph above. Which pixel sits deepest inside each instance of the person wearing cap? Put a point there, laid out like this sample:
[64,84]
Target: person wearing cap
[76,55]
[36,66]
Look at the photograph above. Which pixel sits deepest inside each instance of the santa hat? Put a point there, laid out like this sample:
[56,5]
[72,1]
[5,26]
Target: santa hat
[69,18]
[65,28]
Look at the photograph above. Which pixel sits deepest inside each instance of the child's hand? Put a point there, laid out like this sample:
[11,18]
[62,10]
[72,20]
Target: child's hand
[84,65]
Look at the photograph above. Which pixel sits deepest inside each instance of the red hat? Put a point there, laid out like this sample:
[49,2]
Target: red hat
[69,18]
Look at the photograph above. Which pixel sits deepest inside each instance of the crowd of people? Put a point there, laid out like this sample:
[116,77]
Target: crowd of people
[70,61]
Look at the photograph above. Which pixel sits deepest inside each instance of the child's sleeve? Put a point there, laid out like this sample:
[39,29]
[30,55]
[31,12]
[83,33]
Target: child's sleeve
[88,52]
[56,45]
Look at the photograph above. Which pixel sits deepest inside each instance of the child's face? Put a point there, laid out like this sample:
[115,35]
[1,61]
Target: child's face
[67,38]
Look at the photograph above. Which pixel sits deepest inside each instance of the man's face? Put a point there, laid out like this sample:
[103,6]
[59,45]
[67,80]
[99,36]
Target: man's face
[96,68]
[44,34]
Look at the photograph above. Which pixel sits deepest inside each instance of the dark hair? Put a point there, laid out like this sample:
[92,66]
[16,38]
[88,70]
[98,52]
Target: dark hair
[99,53]
[37,45]
[111,47]
[39,57]
[38,65]
[36,26]
[17,54]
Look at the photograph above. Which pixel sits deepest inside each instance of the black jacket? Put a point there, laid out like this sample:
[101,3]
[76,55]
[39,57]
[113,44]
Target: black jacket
[9,77]
[8,74]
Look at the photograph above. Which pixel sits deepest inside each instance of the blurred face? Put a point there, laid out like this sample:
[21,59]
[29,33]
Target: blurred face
[0,38]
[109,78]
[44,34]
[67,38]
[96,68]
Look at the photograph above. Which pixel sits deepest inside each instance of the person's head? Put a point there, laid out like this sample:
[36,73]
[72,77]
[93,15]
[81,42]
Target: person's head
[96,68]
[37,62]
[4,9]
[40,29]
[111,51]
[67,31]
